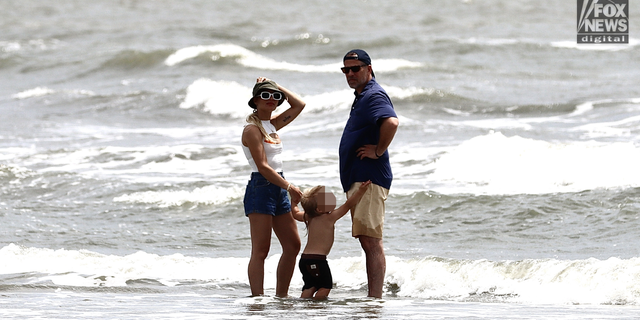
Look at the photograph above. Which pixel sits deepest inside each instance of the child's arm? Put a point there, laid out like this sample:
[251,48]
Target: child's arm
[352,201]
[296,213]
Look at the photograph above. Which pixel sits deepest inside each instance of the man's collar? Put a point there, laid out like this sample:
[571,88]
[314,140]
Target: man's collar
[366,87]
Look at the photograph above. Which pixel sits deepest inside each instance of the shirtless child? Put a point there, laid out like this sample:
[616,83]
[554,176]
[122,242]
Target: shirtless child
[320,217]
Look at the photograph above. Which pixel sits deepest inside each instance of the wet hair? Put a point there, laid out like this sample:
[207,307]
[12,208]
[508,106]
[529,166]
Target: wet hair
[310,204]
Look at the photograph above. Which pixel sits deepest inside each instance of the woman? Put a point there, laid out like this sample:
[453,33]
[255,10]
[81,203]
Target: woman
[265,201]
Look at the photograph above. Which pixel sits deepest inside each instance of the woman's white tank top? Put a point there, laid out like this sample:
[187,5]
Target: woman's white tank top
[272,150]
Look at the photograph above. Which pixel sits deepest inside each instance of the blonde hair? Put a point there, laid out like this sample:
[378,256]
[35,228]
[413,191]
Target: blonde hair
[254,120]
[310,204]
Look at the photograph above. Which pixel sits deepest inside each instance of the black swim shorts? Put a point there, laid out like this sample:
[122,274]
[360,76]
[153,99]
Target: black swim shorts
[315,271]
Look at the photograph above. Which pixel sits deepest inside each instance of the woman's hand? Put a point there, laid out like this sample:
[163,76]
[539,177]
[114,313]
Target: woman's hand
[295,194]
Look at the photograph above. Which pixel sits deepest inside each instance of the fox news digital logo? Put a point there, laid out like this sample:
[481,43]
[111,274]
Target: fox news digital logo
[603,21]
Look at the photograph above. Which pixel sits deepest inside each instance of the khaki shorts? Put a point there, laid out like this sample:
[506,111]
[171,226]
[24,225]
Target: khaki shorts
[367,217]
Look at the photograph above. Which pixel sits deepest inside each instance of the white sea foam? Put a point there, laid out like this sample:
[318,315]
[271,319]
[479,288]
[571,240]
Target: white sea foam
[596,47]
[547,281]
[490,42]
[208,195]
[13,152]
[35,92]
[85,268]
[587,106]
[226,98]
[153,163]
[44,91]
[623,126]
[496,164]
[620,128]
[14,172]
[244,57]
[7,46]
[582,108]
[404,93]
[218,97]
[192,52]
[229,98]
[329,101]
[251,59]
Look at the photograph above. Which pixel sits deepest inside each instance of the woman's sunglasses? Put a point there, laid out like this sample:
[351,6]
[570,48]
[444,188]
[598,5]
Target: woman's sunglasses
[267,95]
[355,69]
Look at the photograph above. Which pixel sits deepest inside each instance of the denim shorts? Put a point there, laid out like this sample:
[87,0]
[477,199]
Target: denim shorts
[264,197]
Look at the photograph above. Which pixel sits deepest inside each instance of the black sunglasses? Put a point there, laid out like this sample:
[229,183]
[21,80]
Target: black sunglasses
[354,69]
[267,95]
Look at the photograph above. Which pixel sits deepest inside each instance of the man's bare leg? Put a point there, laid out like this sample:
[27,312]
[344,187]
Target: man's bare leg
[376,264]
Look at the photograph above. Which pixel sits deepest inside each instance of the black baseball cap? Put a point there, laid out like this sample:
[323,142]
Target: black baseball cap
[361,55]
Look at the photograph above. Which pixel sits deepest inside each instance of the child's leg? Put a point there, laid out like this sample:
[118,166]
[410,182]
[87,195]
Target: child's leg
[322,294]
[308,293]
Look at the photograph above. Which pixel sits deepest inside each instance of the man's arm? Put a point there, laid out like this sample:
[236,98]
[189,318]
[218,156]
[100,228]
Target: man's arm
[388,129]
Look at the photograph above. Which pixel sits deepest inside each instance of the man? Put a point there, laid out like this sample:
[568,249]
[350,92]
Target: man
[363,152]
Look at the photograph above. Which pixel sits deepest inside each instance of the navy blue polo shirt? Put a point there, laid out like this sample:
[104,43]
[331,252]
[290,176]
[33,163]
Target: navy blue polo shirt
[363,127]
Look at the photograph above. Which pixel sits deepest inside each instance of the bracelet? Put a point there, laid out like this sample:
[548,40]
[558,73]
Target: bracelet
[289,187]
[376,152]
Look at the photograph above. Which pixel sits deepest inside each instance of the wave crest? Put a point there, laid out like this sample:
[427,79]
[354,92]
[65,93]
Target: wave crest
[251,59]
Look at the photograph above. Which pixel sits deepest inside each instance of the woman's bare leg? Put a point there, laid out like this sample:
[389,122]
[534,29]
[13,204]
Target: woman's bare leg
[286,230]
[260,225]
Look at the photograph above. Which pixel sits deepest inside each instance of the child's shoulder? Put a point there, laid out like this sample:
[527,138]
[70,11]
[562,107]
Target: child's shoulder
[321,217]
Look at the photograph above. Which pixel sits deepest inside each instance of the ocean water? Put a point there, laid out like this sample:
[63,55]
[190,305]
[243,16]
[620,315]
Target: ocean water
[516,188]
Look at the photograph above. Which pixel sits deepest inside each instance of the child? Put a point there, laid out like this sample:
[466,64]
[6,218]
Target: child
[320,219]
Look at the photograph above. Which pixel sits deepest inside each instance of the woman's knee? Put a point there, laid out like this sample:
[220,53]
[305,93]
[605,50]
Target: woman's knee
[260,252]
[287,232]
[291,247]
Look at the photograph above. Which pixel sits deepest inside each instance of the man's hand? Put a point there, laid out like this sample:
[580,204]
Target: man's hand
[367,151]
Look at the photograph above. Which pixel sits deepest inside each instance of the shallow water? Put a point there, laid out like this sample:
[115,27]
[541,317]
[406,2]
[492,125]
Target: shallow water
[515,194]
